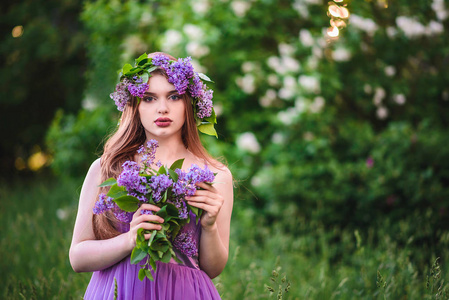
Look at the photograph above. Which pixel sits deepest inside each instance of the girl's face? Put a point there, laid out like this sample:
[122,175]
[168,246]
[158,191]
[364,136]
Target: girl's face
[162,109]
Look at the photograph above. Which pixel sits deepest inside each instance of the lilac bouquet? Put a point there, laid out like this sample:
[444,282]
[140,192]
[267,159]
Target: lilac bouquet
[165,188]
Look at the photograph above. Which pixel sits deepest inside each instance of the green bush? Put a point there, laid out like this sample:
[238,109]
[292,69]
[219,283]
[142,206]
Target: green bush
[301,115]
[76,141]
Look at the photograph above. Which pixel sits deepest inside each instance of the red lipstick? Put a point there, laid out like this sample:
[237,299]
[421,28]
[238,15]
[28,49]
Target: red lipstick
[163,122]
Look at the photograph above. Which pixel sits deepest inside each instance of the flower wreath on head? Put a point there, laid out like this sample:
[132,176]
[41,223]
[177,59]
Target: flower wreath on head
[134,82]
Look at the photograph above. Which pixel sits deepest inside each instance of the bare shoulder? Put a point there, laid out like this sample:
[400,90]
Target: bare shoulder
[223,172]
[93,177]
[95,169]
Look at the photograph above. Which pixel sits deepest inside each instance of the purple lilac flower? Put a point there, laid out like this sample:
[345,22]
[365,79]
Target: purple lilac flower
[186,243]
[130,179]
[146,212]
[179,72]
[196,175]
[138,90]
[121,96]
[137,79]
[159,185]
[148,152]
[180,204]
[123,216]
[142,198]
[196,88]
[205,105]
[183,187]
[186,186]
[160,60]
[199,90]
[103,204]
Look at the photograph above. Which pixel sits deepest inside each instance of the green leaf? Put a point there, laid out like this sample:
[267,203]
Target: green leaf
[150,240]
[142,62]
[175,257]
[140,235]
[160,246]
[175,231]
[152,69]
[213,117]
[133,71]
[141,58]
[127,203]
[194,210]
[144,77]
[149,275]
[153,264]
[162,170]
[177,164]
[173,175]
[141,274]
[162,212]
[108,182]
[208,129]
[166,257]
[172,210]
[116,191]
[153,255]
[198,218]
[137,255]
[205,77]
[126,68]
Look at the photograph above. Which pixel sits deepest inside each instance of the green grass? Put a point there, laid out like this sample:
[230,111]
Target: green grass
[36,221]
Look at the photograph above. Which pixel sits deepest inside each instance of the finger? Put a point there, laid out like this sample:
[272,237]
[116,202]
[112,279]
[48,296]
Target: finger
[212,210]
[205,186]
[148,226]
[206,198]
[148,206]
[205,192]
[145,206]
[148,218]
[199,199]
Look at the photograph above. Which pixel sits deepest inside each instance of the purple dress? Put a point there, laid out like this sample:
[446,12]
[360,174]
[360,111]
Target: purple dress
[171,280]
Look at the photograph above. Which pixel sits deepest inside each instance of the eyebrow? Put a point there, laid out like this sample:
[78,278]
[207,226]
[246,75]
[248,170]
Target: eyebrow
[169,93]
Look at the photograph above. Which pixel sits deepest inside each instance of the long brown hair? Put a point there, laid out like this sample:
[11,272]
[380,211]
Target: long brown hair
[126,140]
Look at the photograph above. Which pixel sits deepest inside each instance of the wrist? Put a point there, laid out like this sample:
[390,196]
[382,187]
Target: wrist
[129,242]
[210,228]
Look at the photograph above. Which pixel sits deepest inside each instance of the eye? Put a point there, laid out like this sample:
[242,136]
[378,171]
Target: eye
[148,98]
[174,97]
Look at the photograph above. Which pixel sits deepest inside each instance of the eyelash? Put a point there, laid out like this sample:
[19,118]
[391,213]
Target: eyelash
[171,97]
[175,97]
[148,99]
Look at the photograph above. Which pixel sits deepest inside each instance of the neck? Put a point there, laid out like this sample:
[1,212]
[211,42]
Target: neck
[170,149]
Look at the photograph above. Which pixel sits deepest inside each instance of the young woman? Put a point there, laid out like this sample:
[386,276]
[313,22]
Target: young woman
[168,111]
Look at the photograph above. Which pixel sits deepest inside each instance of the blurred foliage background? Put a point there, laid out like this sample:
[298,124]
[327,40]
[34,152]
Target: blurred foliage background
[333,117]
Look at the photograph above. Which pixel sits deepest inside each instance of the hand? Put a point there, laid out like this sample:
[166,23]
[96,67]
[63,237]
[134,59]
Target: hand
[210,201]
[147,222]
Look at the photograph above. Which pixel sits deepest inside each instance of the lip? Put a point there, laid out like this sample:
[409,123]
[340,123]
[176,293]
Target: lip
[163,122]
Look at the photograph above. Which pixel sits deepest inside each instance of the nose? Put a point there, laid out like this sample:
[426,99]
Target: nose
[163,107]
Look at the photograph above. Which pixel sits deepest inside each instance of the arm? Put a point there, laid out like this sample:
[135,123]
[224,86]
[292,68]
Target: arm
[88,254]
[217,202]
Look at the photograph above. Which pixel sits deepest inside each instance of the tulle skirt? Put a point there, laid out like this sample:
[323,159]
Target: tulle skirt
[171,281]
